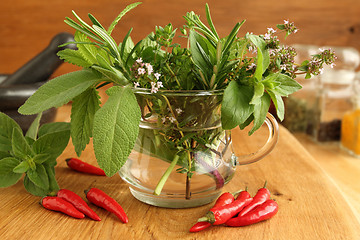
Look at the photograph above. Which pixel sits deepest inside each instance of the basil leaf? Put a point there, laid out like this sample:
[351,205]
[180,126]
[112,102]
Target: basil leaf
[258,93]
[59,91]
[278,103]
[34,127]
[52,144]
[20,146]
[82,117]
[283,84]
[39,177]
[7,125]
[260,111]
[235,108]
[116,126]
[33,189]
[53,127]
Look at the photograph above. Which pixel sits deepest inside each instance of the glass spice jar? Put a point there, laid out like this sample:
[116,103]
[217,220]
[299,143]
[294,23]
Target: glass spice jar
[350,126]
[333,99]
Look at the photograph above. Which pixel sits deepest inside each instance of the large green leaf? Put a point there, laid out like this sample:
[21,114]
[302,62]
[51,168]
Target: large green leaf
[59,91]
[7,125]
[236,107]
[82,117]
[39,176]
[53,127]
[283,85]
[116,126]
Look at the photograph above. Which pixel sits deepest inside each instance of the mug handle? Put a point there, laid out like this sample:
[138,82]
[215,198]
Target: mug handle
[273,127]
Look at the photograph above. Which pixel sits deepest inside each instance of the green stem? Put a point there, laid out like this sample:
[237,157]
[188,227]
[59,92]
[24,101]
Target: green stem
[165,176]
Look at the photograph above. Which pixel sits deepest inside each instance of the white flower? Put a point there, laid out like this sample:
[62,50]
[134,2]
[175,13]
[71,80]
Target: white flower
[286,22]
[141,71]
[178,110]
[139,60]
[163,119]
[271,30]
[154,87]
[321,70]
[157,75]
[160,84]
[283,67]
[149,68]
[136,84]
[267,36]
[321,49]
[332,65]
[251,66]
[172,119]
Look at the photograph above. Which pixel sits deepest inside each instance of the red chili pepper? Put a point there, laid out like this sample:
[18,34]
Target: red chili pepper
[101,199]
[219,215]
[224,199]
[61,205]
[260,197]
[78,203]
[263,212]
[80,166]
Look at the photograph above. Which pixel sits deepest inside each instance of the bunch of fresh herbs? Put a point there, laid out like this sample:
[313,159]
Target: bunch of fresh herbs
[252,70]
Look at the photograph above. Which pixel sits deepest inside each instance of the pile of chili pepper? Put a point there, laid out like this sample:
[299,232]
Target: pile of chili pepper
[240,211]
[73,205]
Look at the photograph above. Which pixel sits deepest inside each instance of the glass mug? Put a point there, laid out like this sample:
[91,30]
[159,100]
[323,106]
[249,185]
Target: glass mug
[182,157]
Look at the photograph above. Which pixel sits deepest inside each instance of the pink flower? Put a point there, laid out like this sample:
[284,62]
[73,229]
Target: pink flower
[141,71]
[157,75]
[136,84]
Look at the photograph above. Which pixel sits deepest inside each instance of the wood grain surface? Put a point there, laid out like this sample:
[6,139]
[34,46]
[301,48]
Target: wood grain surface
[310,205]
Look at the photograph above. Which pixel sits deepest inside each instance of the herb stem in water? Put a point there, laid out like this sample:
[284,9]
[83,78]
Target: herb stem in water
[165,176]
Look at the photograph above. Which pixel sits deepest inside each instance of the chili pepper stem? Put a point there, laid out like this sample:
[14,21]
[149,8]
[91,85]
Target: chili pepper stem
[165,176]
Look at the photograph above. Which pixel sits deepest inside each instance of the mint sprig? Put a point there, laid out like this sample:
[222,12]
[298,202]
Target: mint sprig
[33,154]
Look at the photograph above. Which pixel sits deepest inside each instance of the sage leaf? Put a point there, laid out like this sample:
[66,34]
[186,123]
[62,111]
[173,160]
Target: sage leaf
[7,125]
[59,91]
[20,146]
[82,117]
[116,126]
[74,57]
[52,144]
[53,127]
[235,108]
[39,176]
[34,127]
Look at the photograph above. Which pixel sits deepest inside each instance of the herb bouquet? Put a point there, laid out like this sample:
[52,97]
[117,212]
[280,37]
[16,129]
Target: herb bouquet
[170,102]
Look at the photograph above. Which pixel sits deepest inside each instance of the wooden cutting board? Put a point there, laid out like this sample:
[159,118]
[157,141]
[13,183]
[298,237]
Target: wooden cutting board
[310,206]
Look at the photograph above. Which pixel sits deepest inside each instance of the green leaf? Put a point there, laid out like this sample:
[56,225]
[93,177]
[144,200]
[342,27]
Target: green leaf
[41,158]
[210,22]
[263,57]
[118,18]
[39,176]
[87,51]
[7,125]
[34,127]
[236,107]
[4,154]
[7,176]
[59,91]
[260,111]
[21,167]
[74,57]
[7,165]
[283,84]
[113,74]
[52,143]
[53,185]
[82,117]
[20,146]
[279,104]
[116,126]
[53,127]
[33,189]
[258,93]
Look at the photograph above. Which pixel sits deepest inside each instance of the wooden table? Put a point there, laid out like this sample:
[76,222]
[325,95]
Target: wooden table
[311,206]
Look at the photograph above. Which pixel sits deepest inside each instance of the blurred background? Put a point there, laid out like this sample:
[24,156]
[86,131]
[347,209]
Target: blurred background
[27,26]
